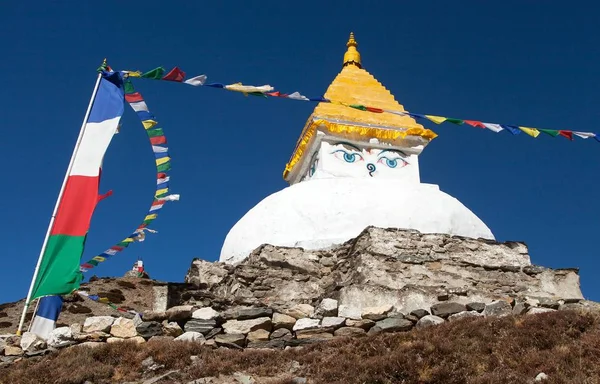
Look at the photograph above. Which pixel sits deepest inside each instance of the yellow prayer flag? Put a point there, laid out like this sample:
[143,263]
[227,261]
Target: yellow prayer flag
[149,123]
[150,217]
[530,131]
[436,119]
[128,240]
[134,73]
[162,160]
[161,191]
[99,258]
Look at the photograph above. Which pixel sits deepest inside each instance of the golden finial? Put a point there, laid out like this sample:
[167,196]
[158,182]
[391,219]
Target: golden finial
[352,56]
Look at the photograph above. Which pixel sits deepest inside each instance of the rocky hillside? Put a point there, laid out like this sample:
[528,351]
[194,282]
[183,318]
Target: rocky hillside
[557,347]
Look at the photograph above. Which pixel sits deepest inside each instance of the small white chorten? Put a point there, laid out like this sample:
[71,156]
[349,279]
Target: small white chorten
[352,169]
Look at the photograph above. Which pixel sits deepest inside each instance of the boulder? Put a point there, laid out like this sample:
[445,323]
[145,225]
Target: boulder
[180,312]
[281,334]
[191,336]
[394,324]
[446,309]
[304,324]
[317,334]
[94,336]
[147,329]
[60,337]
[300,311]
[536,310]
[364,324]
[198,325]
[520,308]
[376,313]
[283,321]
[231,340]
[242,313]
[546,302]
[246,326]
[475,306]
[171,329]
[464,314]
[350,332]
[258,335]
[123,328]
[429,320]
[333,322]
[98,324]
[12,350]
[327,307]
[419,313]
[30,342]
[206,313]
[498,308]
[349,312]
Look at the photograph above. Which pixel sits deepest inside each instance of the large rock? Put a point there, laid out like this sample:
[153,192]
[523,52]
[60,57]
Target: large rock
[281,334]
[283,321]
[327,307]
[60,337]
[464,314]
[304,324]
[333,322]
[202,326]
[180,312]
[350,332]
[258,335]
[364,324]
[147,329]
[191,336]
[248,313]
[171,329]
[12,350]
[498,308]
[394,324]
[98,324]
[231,340]
[376,313]
[246,326]
[300,311]
[30,342]
[429,320]
[206,313]
[446,309]
[349,312]
[123,328]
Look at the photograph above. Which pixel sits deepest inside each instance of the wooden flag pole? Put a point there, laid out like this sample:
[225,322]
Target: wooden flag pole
[60,194]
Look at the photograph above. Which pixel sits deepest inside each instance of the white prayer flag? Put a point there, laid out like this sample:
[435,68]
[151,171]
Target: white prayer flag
[493,127]
[196,81]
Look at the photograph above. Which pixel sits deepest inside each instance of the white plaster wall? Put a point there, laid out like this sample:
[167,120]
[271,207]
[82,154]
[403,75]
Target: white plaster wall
[319,213]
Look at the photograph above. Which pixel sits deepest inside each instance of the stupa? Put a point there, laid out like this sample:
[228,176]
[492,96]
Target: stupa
[352,169]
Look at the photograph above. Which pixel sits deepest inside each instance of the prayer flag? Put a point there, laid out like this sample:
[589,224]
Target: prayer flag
[493,127]
[530,131]
[567,134]
[297,96]
[550,132]
[59,268]
[175,74]
[584,135]
[511,128]
[374,110]
[155,74]
[455,121]
[239,87]
[475,123]
[45,318]
[196,81]
[436,119]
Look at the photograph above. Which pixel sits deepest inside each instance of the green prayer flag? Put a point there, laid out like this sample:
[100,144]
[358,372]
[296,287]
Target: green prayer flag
[155,74]
[128,87]
[358,106]
[260,94]
[550,132]
[155,132]
[164,167]
[455,121]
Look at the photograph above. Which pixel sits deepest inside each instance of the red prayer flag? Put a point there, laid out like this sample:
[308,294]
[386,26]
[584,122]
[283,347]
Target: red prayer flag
[474,123]
[277,94]
[175,74]
[133,97]
[117,248]
[158,140]
[567,134]
[375,110]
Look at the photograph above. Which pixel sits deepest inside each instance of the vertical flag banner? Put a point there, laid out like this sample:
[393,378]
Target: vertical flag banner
[59,268]
[44,321]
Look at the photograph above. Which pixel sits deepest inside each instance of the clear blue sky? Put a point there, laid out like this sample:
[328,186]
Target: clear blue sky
[514,62]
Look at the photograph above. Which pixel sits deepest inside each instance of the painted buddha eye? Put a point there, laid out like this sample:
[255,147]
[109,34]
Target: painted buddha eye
[393,162]
[348,157]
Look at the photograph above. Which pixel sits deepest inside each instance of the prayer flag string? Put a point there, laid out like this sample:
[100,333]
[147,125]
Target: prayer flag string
[178,75]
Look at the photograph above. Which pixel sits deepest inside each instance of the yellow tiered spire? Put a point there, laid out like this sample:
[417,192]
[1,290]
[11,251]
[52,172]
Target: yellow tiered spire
[352,56]
[355,86]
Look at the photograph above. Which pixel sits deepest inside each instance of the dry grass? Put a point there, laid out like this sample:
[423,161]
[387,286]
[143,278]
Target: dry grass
[564,345]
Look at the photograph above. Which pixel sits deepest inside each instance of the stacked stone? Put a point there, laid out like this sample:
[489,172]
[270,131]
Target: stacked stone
[262,327]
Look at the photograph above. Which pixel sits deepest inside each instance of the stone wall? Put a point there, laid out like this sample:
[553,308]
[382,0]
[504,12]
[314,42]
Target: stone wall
[405,269]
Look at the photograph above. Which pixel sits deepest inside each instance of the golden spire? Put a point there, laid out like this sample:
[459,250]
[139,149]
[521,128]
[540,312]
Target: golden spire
[352,56]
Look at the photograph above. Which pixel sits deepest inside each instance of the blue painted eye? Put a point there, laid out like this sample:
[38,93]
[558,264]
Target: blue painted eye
[348,157]
[391,163]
